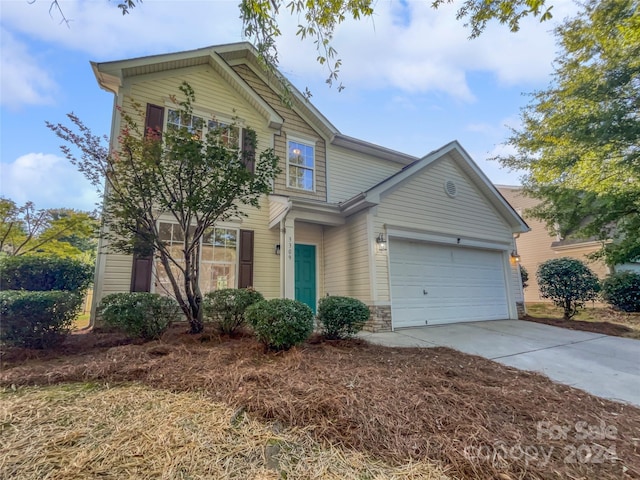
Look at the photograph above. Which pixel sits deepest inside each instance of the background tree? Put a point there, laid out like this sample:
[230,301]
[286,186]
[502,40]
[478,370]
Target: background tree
[25,230]
[568,283]
[524,276]
[319,19]
[579,138]
[197,180]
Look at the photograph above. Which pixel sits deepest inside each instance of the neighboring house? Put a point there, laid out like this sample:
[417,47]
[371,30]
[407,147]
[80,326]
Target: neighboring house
[538,245]
[419,240]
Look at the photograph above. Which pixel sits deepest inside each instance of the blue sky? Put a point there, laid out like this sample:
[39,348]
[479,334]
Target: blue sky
[413,80]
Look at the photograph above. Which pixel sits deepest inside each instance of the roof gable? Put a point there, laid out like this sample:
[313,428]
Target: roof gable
[464,162]
[111,75]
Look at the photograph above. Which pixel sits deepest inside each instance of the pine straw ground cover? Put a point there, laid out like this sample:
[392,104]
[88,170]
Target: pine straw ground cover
[82,431]
[472,417]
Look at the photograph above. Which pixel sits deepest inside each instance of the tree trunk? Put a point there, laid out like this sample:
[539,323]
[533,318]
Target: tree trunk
[568,310]
[192,290]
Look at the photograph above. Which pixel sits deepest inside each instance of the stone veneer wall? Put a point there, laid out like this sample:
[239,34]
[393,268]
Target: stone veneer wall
[521,310]
[380,320]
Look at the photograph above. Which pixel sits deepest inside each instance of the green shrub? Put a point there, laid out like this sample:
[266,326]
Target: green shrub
[568,283]
[280,323]
[341,317]
[622,290]
[44,274]
[226,307]
[140,314]
[37,319]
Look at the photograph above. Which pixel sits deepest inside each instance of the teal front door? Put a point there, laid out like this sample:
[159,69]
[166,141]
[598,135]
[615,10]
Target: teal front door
[305,266]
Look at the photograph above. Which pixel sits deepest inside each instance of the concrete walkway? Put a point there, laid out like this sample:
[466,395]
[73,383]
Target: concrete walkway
[600,364]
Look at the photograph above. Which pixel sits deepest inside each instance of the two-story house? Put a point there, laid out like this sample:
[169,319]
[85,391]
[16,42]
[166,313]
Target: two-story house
[422,241]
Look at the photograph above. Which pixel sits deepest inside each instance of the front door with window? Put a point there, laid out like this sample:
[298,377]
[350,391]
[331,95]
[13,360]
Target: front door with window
[305,271]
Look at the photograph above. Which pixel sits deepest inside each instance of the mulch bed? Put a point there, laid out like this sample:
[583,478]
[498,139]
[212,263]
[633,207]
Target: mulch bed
[474,417]
[605,328]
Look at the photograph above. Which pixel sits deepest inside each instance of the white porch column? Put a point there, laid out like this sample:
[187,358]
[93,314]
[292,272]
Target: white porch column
[288,257]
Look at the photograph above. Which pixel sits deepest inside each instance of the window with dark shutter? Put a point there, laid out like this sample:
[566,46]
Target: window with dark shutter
[142,266]
[245,273]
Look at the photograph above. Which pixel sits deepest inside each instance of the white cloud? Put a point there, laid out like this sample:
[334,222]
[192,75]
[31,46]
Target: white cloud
[47,180]
[429,50]
[99,29]
[22,81]
[408,46]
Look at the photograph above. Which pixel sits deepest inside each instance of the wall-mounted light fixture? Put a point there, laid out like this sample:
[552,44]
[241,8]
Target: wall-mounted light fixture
[515,256]
[381,242]
[277,249]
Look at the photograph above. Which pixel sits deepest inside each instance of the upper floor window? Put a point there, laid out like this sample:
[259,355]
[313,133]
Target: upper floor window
[228,134]
[301,165]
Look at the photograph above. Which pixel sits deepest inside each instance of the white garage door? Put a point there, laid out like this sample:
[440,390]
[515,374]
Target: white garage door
[436,284]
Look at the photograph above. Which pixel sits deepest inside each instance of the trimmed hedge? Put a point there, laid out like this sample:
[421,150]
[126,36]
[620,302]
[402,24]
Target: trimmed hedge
[225,308]
[341,317]
[40,274]
[37,319]
[280,323]
[139,314]
[622,291]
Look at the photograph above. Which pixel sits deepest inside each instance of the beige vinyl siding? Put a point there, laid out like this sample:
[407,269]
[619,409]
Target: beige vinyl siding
[214,96]
[346,261]
[311,234]
[516,283]
[266,264]
[293,125]
[117,274]
[421,202]
[349,172]
[534,247]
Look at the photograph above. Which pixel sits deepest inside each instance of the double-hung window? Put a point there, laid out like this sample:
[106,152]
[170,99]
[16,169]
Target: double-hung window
[228,134]
[218,258]
[301,165]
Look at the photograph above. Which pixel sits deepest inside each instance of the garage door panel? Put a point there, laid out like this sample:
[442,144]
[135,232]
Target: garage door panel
[462,284]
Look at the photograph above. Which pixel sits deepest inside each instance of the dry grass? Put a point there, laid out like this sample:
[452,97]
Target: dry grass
[82,321]
[88,431]
[395,405]
[599,319]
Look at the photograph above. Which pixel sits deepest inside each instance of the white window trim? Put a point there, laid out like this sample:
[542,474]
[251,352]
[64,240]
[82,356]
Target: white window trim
[310,143]
[207,115]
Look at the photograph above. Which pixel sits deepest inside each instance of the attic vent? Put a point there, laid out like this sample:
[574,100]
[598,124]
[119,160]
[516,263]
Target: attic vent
[450,188]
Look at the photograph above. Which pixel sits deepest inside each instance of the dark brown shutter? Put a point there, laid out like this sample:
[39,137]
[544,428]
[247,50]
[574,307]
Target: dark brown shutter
[141,274]
[154,120]
[245,274]
[143,264]
[249,149]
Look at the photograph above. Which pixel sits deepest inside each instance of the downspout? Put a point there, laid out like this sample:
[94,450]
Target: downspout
[283,248]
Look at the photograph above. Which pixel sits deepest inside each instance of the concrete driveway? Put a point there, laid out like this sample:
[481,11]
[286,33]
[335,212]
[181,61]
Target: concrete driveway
[600,364]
